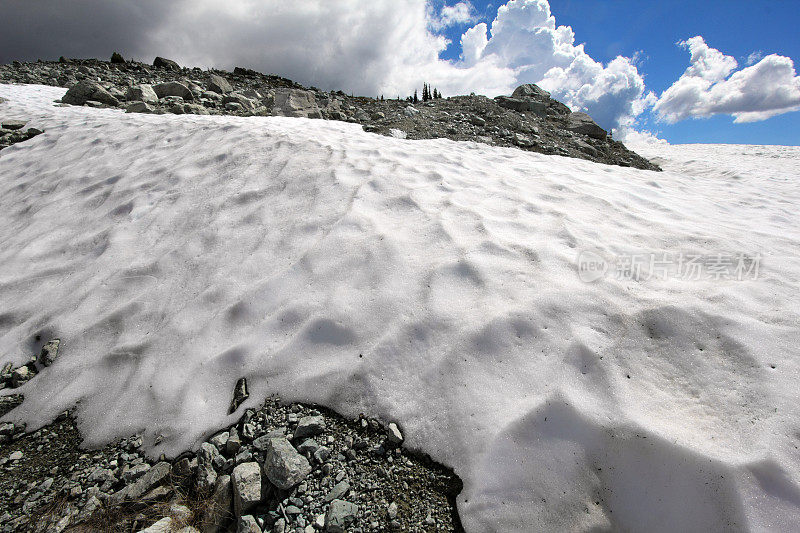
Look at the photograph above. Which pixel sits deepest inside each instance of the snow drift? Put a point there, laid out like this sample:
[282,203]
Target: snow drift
[429,282]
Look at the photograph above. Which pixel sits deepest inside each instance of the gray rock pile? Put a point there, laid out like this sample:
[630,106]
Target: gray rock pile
[529,119]
[14,131]
[280,469]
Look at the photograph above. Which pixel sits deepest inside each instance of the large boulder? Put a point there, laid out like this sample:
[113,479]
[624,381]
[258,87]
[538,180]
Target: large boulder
[219,85]
[583,123]
[530,90]
[86,90]
[166,63]
[522,105]
[238,98]
[142,92]
[296,103]
[173,88]
[283,465]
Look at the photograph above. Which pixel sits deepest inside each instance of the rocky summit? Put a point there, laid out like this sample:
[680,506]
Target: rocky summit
[528,119]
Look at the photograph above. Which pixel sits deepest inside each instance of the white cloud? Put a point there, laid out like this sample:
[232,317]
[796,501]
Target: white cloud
[712,86]
[754,57]
[459,13]
[378,47]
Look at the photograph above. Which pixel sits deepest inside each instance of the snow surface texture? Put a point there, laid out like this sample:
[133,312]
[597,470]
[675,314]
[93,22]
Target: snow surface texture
[429,282]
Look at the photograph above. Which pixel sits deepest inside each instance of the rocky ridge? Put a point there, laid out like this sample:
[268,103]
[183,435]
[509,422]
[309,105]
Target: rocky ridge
[529,119]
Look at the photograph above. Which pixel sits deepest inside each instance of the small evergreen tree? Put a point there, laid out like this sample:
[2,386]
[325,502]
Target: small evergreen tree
[415,97]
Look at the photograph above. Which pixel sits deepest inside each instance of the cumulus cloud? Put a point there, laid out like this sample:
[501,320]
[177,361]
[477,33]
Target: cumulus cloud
[711,85]
[376,47]
[460,13]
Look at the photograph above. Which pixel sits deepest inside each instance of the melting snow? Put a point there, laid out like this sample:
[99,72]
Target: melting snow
[429,282]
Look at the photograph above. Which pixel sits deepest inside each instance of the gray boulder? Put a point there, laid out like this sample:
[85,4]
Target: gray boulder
[242,100]
[296,103]
[522,105]
[139,107]
[166,63]
[411,111]
[341,514]
[246,481]
[583,123]
[206,475]
[151,479]
[85,91]
[219,85]
[173,88]
[309,426]
[283,465]
[247,524]
[530,90]
[142,92]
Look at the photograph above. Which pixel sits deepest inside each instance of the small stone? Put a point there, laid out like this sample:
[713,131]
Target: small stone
[394,435]
[206,475]
[283,465]
[246,480]
[337,492]
[240,394]
[162,526]
[49,351]
[248,524]
[309,426]
[308,446]
[392,511]
[21,375]
[340,516]
[151,479]
[233,444]
[219,440]
[15,456]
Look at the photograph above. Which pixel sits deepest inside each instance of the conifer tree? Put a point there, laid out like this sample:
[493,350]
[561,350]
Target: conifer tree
[415,97]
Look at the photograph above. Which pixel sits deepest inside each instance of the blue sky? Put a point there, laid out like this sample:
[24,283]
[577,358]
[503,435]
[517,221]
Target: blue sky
[650,29]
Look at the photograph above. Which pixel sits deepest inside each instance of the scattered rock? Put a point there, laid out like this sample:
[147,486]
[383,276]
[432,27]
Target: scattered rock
[248,524]
[88,91]
[173,88]
[49,352]
[218,84]
[411,111]
[240,394]
[341,514]
[296,103]
[13,124]
[139,107]
[283,465]
[142,92]
[161,62]
[530,90]
[394,434]
[246,481]
[154,477]
[309,426]
[583,123]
